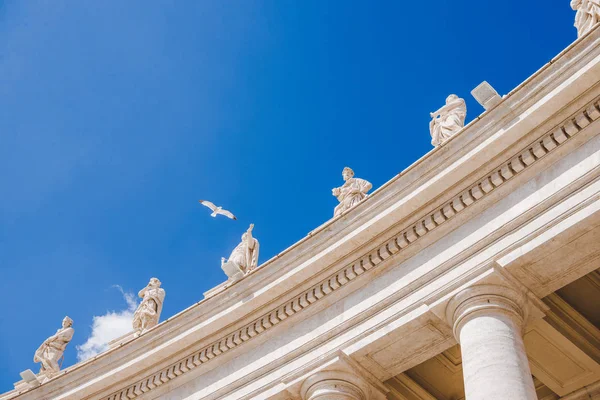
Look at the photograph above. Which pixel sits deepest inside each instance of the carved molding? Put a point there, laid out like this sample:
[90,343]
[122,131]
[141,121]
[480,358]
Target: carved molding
[573,325]
[484,186]
[542,391]
[557,362]
[402,387]
[478,300]
[334,384]
[594,278]
[589,392]
[452,362]
[410,347]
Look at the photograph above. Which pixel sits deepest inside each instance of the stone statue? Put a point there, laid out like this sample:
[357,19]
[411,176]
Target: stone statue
[52,350]
[351,193]
[244,258]
[448,120]
[587,16]
[148,312]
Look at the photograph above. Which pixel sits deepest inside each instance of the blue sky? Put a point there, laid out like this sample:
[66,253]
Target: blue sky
[116,117]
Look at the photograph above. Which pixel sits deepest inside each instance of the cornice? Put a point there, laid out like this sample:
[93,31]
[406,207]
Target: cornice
[480,189]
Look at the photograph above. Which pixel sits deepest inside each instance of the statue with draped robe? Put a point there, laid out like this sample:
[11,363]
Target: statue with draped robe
[52,350]
[587,16]
[148,312]
[448,120]
[244,258]
[352,192]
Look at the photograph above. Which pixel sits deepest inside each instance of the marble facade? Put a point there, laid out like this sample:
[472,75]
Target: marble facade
[473,274]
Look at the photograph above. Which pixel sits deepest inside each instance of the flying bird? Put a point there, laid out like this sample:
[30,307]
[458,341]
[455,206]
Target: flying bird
[217,210]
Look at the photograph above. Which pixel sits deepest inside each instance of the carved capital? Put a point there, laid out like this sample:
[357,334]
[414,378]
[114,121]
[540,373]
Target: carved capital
[482,300]
[334,385]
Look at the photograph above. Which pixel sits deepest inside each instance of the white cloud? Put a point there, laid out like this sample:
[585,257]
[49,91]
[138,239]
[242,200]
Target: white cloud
[108,327]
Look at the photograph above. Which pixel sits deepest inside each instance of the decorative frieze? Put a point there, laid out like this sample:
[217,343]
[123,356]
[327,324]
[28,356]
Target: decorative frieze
[391,246]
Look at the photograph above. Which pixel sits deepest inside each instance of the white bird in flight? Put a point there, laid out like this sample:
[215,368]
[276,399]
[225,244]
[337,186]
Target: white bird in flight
[217,210]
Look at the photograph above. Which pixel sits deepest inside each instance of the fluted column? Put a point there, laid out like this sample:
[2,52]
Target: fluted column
[334,385]
[488,323]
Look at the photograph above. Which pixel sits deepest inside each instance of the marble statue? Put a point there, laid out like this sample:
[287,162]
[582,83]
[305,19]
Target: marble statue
[448,120]
[244,258]
[587,16]
[351,193]
[148,312]
[52,350]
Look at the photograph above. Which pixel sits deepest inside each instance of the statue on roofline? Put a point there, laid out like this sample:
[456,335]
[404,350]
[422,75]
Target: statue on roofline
[448,120]
[51,352]
[587,16]
[244,258]
[148,312]
[353,191]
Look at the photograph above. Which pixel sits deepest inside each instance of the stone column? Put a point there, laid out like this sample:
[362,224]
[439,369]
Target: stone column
[488,322]
[334,385]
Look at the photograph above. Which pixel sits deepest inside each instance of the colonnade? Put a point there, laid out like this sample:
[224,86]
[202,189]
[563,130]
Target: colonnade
[488,322]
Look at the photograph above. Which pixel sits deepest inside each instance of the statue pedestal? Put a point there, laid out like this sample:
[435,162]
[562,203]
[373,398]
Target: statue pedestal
[30,380]
[232,270]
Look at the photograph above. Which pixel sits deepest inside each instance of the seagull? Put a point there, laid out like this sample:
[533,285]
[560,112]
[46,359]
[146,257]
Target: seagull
[217,210]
